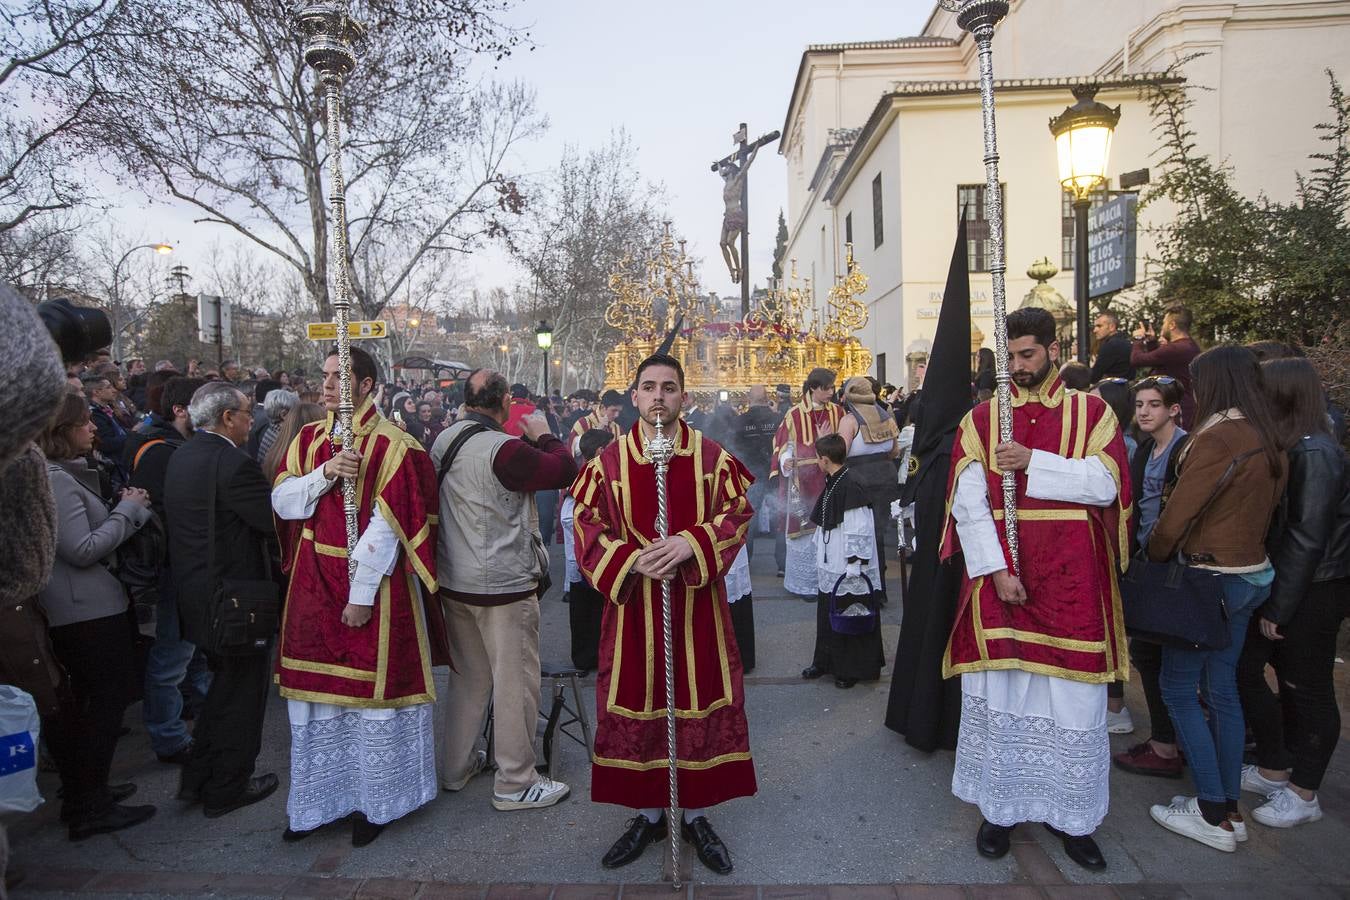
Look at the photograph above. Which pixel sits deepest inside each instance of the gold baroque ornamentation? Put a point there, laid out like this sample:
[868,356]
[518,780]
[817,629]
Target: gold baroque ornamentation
[777,343]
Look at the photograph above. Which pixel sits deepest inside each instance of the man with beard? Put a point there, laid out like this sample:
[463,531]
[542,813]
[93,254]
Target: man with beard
[621,554]
[1037,641]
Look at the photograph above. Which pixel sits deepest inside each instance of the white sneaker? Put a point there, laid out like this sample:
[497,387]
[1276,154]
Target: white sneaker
[1239,825]
[544,792]
[1119,722]
[1184,817]
[476,766]
[1256,783]
[1285,809]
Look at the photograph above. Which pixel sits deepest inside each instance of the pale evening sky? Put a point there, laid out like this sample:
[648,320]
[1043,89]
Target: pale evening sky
[678,77]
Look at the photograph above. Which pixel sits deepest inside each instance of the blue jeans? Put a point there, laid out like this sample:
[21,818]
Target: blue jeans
[165,668]
[1213,750]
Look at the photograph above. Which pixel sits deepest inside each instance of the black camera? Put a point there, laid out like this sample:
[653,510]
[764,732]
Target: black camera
[77,330]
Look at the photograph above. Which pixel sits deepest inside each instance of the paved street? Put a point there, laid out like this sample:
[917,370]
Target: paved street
[843,802]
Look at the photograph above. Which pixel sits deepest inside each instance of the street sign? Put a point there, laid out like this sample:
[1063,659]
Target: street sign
[327,331]
[214,320]
[1111,244]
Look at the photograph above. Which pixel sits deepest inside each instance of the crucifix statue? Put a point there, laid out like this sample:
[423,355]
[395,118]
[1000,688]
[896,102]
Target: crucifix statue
[734,170]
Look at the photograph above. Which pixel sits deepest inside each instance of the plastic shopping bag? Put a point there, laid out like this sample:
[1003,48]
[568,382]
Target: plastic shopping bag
[18,751]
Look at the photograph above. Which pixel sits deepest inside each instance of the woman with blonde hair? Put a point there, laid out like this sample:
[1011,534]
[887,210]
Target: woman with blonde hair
[299,416]
[870,432]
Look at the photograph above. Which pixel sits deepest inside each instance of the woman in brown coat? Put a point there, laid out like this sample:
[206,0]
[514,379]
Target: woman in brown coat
[1229,479]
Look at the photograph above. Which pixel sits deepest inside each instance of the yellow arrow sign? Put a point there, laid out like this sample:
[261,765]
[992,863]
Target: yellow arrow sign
[327,331]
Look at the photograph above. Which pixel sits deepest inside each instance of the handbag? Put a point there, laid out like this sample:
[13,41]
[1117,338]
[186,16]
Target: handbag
[245,613]
[1174,603]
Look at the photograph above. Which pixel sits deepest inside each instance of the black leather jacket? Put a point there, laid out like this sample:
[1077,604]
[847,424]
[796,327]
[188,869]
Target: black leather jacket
[1310,535]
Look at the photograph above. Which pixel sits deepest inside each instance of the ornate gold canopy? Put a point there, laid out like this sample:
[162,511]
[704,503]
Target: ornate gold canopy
[775,344]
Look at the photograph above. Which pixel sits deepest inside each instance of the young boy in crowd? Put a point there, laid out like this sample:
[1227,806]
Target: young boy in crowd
[585,605]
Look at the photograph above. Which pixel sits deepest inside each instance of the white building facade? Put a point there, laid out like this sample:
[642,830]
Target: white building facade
[884,144]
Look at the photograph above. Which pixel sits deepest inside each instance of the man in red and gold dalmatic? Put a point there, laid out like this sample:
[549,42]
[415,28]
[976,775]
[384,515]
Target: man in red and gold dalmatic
[356,654]
[1035,645]
[621,556]
[800,481]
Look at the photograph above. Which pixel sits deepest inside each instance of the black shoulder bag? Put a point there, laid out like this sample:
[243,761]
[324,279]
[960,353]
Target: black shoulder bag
[1176,604]
[245,613]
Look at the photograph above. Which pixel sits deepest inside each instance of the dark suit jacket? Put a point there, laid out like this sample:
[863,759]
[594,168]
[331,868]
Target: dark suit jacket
[1113,359]
[244,528]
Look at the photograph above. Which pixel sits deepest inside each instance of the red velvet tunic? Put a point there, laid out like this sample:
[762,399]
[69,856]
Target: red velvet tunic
[801,427]
[387,662]
[1071,626]
[615,519]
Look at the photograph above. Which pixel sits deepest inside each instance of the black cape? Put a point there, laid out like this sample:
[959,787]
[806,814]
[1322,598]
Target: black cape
[922,706]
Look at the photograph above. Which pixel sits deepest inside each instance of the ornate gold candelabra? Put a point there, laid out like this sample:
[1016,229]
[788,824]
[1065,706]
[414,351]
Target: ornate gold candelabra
[774,344]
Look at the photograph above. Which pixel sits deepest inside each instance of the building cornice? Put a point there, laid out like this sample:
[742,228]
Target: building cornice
[862,147]
[799,83]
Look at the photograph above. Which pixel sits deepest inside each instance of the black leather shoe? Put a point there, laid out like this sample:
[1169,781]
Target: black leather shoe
[293,837]
[113,817]
[181,757]
[812,671]
[116,793]
[709,847]
[364,831]
[993,841]
[1082,849]
[259,788]
[632,842]
[845,683]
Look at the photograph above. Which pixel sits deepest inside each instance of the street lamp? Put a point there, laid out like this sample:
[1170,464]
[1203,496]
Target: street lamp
[544,335]
[163,250]
[1083,143]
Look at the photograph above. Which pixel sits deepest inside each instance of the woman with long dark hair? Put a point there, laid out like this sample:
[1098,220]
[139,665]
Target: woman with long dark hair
[1230,476]
[1295,630]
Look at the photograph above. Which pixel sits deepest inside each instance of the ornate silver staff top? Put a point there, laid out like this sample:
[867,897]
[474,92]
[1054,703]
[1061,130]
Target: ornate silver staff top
[659,449]
[330,36]
[979,18]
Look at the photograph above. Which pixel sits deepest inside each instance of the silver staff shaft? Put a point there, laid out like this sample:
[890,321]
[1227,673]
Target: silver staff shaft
[659,451]
[979,18]
[330,35]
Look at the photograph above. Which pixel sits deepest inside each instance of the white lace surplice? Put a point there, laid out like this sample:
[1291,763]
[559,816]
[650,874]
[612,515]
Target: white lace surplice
[854,537]
[380,762]
[799,575]
[1032,748]
[738,576]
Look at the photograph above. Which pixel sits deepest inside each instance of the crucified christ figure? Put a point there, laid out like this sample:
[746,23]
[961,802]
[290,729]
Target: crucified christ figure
[733,219]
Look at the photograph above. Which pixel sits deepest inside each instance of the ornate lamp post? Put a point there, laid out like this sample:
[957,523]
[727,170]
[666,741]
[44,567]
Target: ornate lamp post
[979,18]
[163,250]
[544,335]
[1083,143]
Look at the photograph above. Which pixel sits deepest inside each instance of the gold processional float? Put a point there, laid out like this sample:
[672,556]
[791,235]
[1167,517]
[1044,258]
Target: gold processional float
[775,343]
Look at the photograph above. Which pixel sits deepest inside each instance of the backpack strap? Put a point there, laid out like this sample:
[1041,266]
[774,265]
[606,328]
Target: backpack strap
[452,451]
[136,461]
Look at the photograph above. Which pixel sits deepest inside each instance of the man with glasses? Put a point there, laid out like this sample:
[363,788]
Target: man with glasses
[219,521]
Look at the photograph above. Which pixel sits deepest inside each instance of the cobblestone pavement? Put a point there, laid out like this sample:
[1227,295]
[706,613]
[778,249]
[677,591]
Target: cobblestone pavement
[845,809]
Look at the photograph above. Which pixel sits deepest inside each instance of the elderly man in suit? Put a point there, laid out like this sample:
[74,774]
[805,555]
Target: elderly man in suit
[208,476]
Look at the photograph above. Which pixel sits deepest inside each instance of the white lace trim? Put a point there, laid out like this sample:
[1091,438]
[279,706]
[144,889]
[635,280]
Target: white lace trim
[799,576]
[1024,768]
[382,766]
